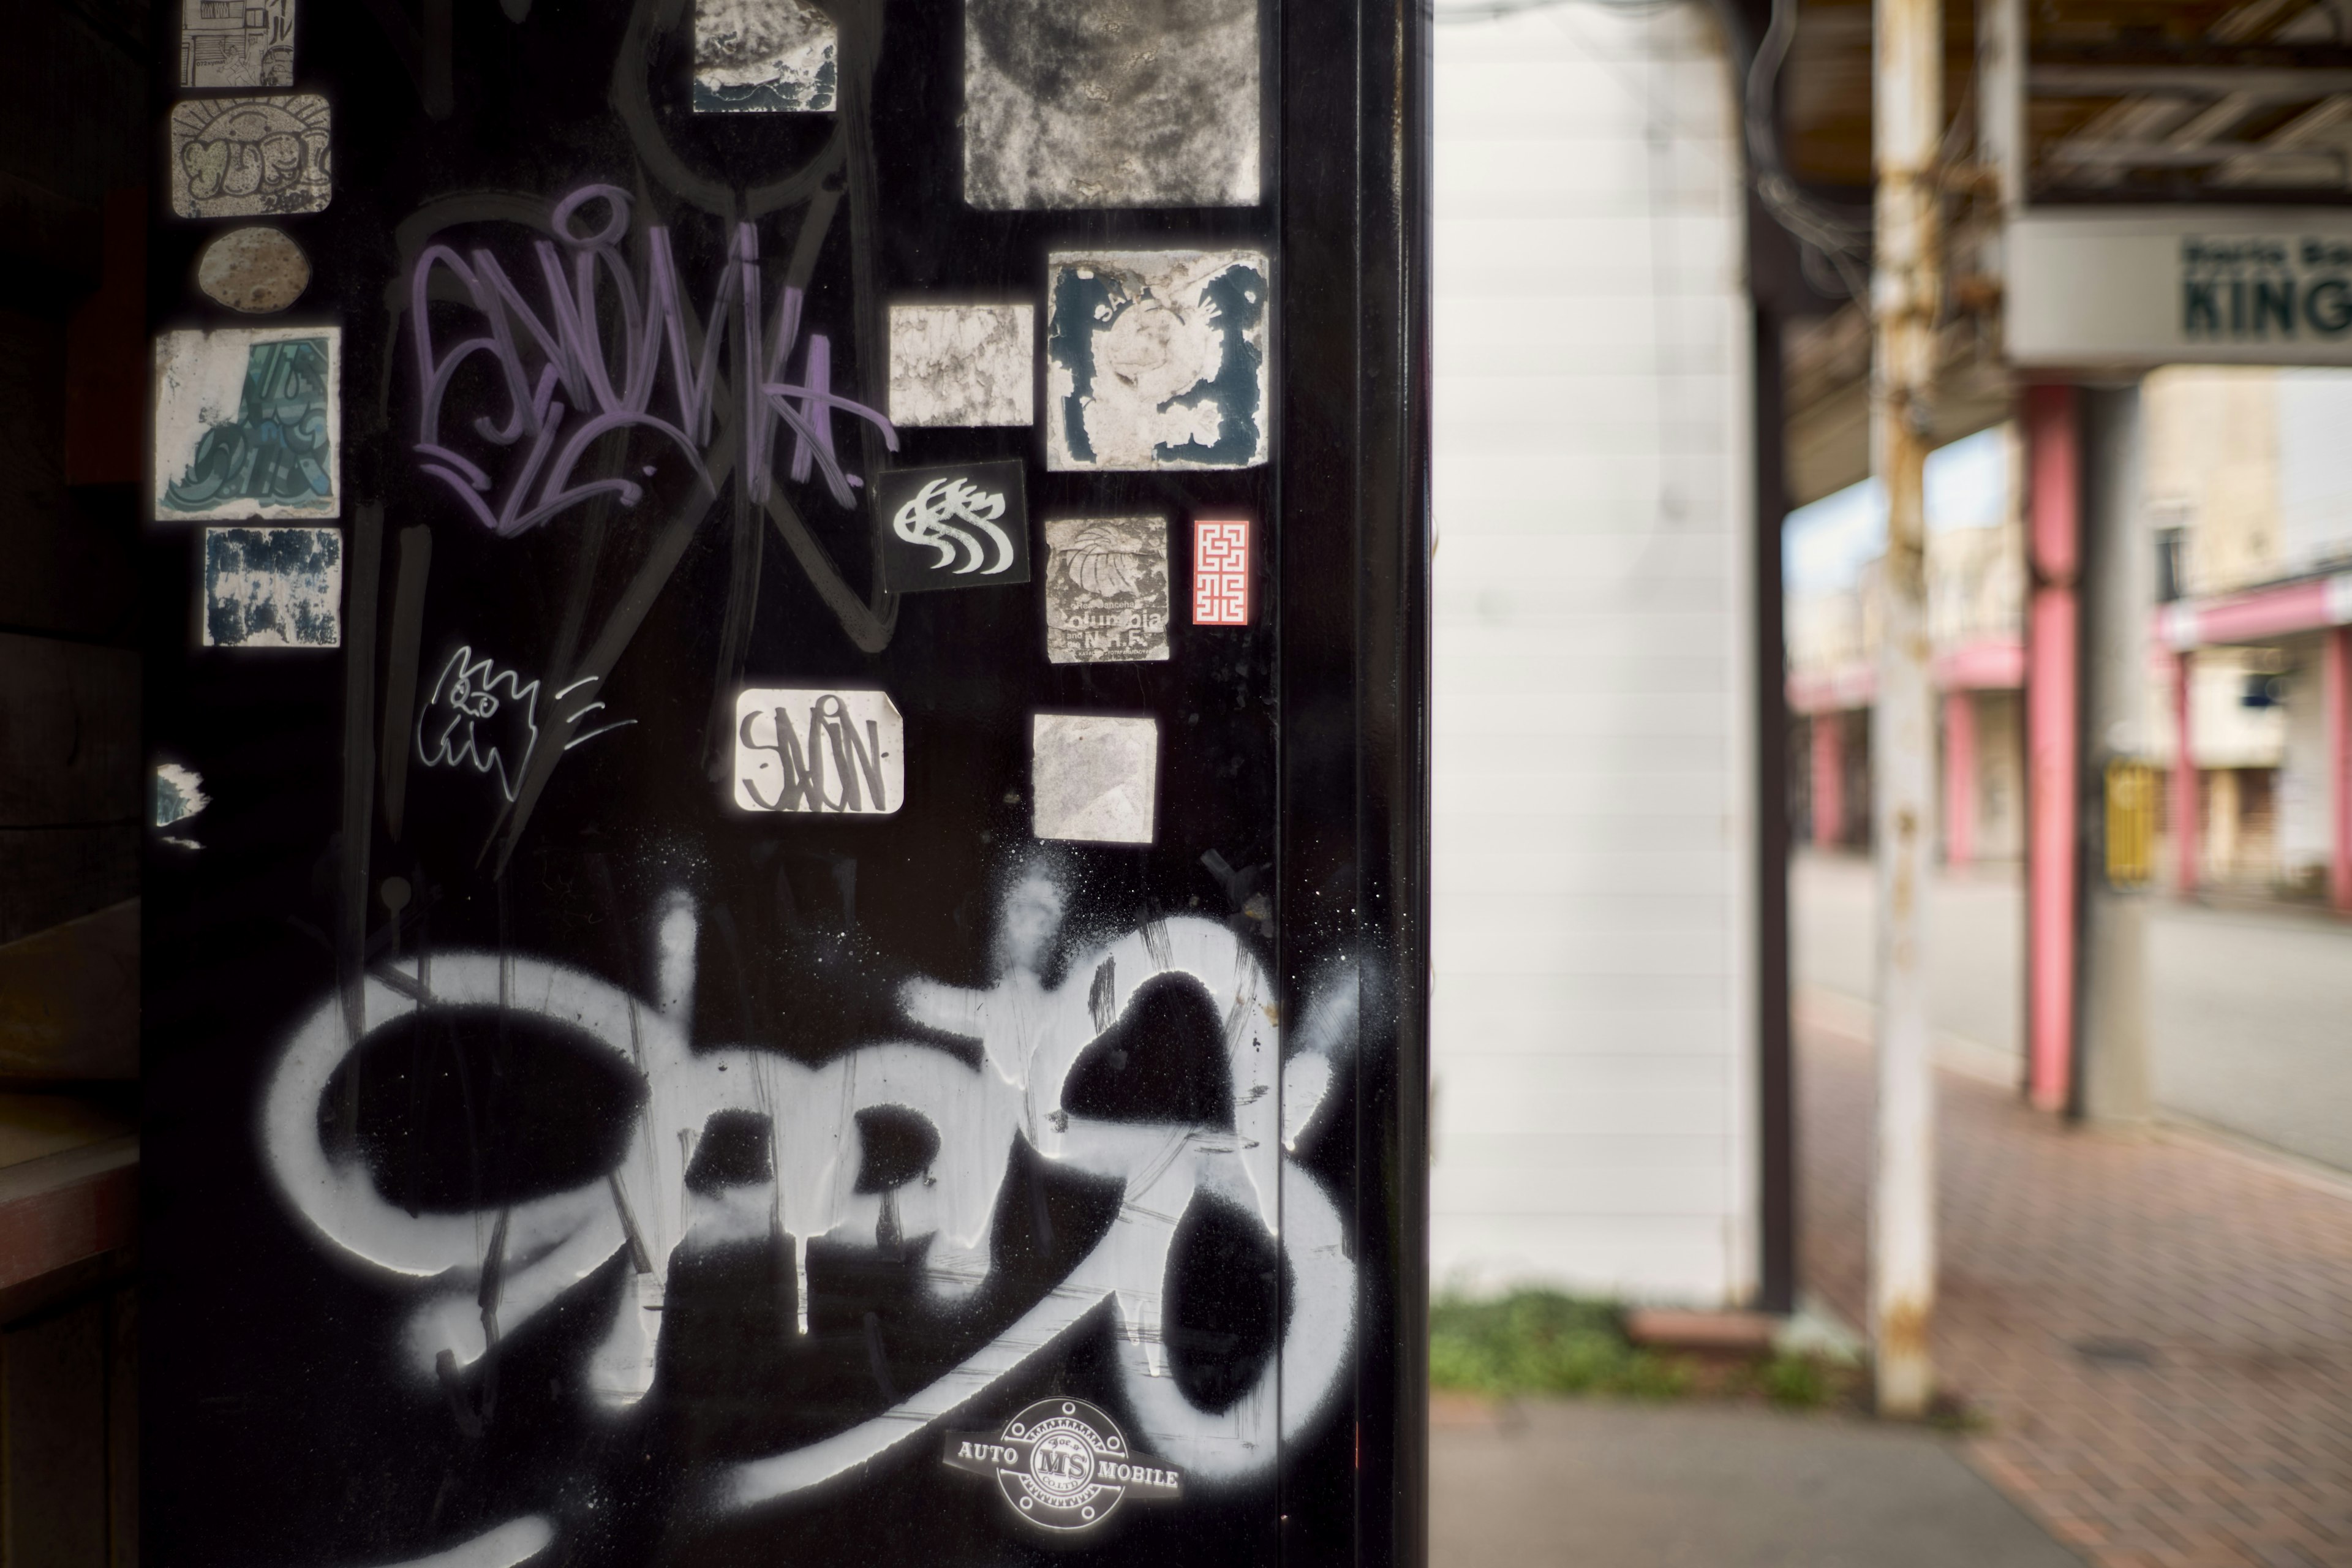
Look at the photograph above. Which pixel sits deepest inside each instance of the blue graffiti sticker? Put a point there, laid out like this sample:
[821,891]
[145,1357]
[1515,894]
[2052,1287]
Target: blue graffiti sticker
[273,588]
[248,424]
[1156,360]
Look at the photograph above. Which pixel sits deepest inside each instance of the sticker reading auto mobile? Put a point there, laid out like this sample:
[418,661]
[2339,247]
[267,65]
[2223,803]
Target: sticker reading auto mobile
[1063,1465]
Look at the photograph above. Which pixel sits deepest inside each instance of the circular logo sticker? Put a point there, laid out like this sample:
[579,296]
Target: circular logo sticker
[1063,1465]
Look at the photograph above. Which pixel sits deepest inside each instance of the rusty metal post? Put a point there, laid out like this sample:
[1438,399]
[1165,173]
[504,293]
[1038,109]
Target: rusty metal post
[1905,288]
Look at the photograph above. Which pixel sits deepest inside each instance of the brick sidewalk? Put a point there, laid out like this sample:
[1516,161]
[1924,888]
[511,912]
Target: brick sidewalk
[2158,1331]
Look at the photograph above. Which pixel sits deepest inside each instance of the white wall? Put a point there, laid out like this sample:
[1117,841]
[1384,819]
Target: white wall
[1594,1057]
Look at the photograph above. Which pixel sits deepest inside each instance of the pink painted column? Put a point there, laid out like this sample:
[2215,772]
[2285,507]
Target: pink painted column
[2052,695]
[2339,768]
[2184,780]
[1959,778]
[1829,778]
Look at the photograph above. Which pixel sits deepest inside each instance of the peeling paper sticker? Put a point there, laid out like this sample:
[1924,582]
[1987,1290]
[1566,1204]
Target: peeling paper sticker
[763,57]
[273,588]
[236,43]
[1221,572]
[1110,103]
[248,423]
[1107,590]
[1094,778]
[178,794]
[1156,360]
[808,750]
[964,525]
[255,269]
[250,157]
[963,365]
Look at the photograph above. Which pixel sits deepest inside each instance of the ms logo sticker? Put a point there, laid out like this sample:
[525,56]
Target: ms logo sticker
[962,527]
[1063,1465]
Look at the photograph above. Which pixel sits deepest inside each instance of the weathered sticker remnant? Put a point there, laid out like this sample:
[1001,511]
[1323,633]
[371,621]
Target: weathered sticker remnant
[236,43]
[251,157]
[273,588]
[1110,103]
[962,526]
[481,717]
[248,423]
[801,749]
[963,365]
[1105,590]
[1221,572]
[254,270]
[1156,360]
[1094,778]
[178,794]
[763,57]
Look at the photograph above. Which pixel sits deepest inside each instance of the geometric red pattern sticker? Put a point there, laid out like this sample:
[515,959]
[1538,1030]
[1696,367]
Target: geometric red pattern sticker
[1221,572]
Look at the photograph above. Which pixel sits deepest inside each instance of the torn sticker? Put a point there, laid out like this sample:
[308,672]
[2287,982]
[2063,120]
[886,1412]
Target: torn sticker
[962,364]
[255,269]
[960,526]
[248,423]
[273,588]
[1105,590]
[1221,572]
[1110,103]
[236,43]
[250,157]
[800,748]
[763,57]
[177,794]
[1094,778]
[1156,360]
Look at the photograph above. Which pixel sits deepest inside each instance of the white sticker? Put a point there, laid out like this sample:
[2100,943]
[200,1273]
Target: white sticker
[236,43]
[1112,103]
[802,749]
[1095,778]
[248,423]
[963,365]
[1156,360]
[273,588]
[250,157]
[763,57]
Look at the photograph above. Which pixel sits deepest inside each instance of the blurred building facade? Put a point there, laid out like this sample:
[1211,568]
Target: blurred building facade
[1975,599]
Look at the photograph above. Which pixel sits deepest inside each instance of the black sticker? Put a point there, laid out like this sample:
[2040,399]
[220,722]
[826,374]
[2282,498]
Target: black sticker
[959,527]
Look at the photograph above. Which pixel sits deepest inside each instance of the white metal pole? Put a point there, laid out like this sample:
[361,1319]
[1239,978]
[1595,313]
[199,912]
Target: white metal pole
[1907,126]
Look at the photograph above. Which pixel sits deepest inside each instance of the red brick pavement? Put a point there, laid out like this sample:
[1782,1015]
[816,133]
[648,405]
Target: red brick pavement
[2210,1424]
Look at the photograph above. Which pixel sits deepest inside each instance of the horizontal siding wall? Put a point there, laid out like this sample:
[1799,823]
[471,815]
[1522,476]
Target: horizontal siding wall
[1595,1118]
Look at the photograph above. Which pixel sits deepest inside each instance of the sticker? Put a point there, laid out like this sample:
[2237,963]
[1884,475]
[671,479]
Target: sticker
[1105,590]
[963,365]
[248,422]
[256,270]
[250,157]
[178,794]
[1113,103]
[273,588]
[958,527]
[1221,572]
[236,43]
[1156,360]
[1063,1465]
[763,57]
[801,749]
[1094,778]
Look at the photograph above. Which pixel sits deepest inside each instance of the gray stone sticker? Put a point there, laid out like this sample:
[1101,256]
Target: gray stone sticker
[963,365]
[256,271]
[1110,103]
[763,57]
[1107,590]
[1095,778]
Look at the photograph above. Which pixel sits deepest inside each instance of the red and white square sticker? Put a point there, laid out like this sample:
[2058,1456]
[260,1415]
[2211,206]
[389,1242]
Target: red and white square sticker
[1221,572]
